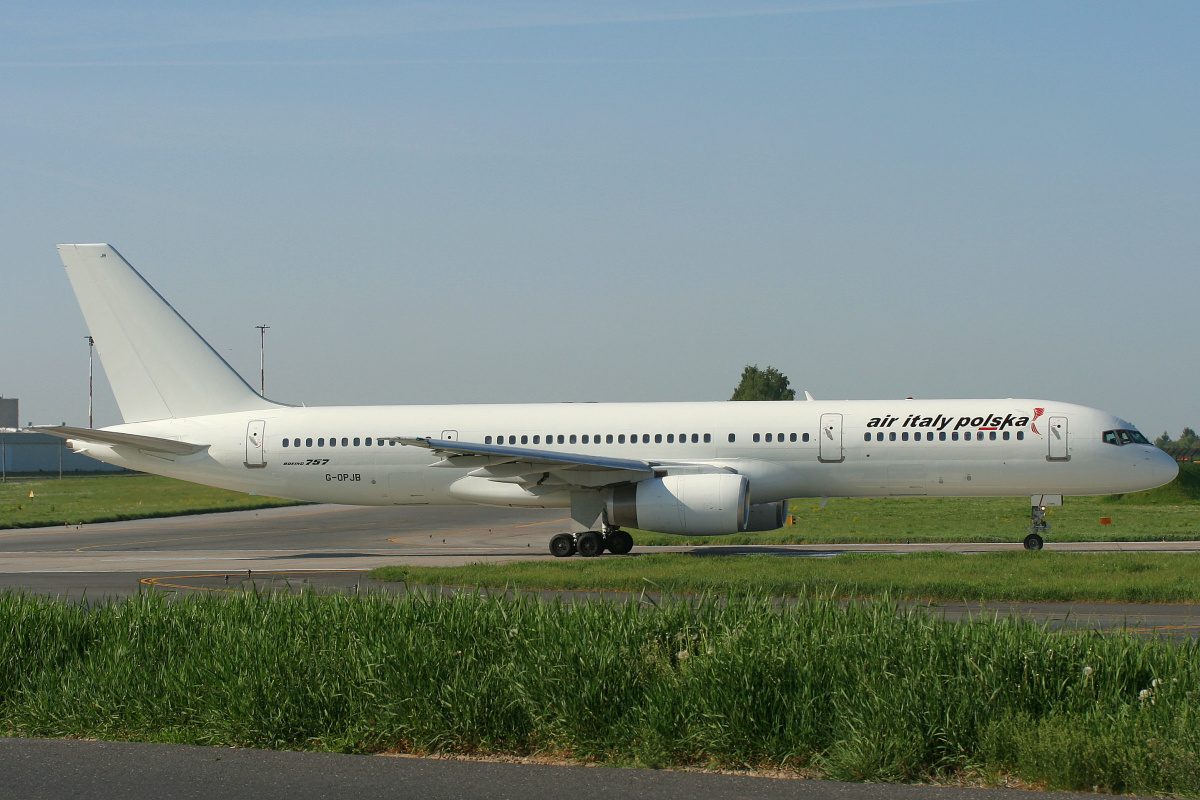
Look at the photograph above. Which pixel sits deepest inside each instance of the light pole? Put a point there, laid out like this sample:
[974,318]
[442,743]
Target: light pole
[262,344]
[91,344]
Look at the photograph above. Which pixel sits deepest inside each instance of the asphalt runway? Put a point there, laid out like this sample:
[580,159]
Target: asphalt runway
[331,547]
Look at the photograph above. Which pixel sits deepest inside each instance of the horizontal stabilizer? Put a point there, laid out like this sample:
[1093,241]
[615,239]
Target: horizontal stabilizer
[150,444]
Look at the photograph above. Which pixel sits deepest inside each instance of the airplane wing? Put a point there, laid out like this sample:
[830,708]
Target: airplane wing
[546,468]
[149,444]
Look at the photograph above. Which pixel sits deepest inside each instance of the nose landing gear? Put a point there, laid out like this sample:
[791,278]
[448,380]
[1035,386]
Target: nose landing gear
[591,543]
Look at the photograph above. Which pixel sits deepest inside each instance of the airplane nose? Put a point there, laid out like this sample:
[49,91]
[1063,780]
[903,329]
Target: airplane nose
[1162,467]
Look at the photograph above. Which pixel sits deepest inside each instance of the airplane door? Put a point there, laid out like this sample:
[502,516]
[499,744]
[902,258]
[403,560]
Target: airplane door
[450,436]
[1058,440]
[830,450]
[256,444]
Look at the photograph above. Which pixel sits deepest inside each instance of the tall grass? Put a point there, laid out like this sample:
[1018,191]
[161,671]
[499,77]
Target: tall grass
[859,693]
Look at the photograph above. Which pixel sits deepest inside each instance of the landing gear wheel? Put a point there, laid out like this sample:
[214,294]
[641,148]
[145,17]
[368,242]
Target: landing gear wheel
[589,544]
[619,542]
[1033,542]
[562,545]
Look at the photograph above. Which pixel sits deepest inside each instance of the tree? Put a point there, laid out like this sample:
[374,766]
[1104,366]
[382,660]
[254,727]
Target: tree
[1163,440]
[763,384]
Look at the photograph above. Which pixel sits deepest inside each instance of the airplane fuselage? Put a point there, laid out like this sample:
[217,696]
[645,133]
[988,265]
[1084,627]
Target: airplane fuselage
[936,448]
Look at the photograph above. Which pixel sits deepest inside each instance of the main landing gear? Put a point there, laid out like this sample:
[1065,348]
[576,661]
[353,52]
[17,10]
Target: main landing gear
[591,543]
[1037,526]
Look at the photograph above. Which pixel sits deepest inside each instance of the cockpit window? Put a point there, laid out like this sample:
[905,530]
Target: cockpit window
[1123,437]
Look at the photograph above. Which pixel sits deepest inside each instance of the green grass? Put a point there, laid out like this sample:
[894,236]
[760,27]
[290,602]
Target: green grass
[71,501]
[1017,576]
[857,693]
[1170,513]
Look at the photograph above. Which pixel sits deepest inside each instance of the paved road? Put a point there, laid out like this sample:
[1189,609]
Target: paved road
[333,547]
[40,769]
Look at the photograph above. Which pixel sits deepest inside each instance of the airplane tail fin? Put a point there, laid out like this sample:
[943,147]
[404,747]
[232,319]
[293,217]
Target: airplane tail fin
[156,363]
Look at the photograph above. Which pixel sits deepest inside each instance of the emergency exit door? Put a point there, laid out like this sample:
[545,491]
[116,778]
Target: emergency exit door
[830,450]
[256,457]
[1058,440]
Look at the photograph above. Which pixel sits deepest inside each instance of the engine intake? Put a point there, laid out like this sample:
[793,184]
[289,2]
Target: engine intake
[709,504]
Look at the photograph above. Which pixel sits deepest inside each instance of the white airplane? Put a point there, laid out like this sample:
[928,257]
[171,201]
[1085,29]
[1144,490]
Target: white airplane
[704,468]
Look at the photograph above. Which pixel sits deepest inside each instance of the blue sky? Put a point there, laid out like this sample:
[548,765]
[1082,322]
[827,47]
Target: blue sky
[493,202]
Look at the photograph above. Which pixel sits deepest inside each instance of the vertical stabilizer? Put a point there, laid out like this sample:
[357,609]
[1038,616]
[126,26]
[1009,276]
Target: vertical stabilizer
[156,363]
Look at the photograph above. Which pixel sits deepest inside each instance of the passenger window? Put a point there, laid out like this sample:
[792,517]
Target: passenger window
[866,437]
[891,436]
[320,442]
[793,437]
[917,436]
[391,442]
[537,439]
[295,442]
[658,438]
[367,441]
[560,438]
[285,442]
[1020,435]
[512,439]
[332,442]
[942,436]
[732,438]
[572,438]
[645,438]
[708,438]
[1006,436]
[345,442]
[356,441]
[904,436]
[768,437]
[954,436]
[695,438]
[779,438]
[967,436]
[308,442]
[992,436]
[379,442]
[620,438]
[608,438]
[487,440]
[756,437]
[585,438]
[805,437]
[671,438]
[878,437]
[524,438]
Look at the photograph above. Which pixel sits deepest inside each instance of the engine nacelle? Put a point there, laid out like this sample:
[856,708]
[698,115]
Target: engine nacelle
[708,504]
[766,517]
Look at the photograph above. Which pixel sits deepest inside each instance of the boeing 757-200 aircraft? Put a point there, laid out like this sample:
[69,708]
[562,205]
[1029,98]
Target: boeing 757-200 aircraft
[685,468]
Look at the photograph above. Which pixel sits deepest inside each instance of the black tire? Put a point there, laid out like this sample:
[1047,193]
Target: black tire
[589,545]
[562,546]
[619,542]
[1033,542]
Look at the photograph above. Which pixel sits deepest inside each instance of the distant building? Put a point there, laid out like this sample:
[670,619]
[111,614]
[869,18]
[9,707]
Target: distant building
[25,453]
[8,412]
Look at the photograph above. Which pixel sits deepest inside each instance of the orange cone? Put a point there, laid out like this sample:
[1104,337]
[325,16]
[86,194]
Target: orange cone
[31,492]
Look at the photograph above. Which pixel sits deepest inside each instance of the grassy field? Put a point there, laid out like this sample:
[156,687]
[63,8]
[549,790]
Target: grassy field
[1169,513]
[1018,576]
[857,693]
[107,498]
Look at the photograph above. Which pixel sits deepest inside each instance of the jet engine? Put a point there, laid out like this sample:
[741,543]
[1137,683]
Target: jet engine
[708,504]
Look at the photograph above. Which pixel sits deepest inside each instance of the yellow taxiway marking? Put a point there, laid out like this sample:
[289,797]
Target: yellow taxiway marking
[406,539]
[161,582]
